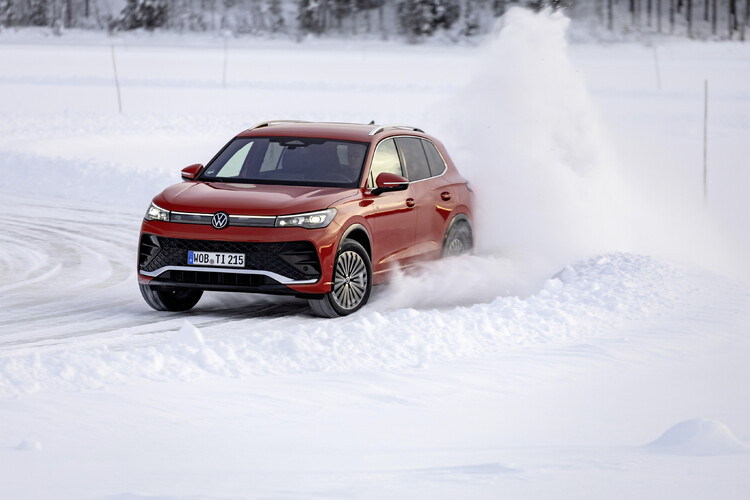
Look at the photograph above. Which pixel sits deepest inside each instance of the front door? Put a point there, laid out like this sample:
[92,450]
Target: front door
[392,215]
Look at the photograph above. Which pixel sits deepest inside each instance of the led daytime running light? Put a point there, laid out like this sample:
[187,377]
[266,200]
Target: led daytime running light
[155,212]
[312,220]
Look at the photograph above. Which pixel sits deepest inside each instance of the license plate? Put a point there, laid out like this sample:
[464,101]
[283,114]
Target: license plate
[216,259]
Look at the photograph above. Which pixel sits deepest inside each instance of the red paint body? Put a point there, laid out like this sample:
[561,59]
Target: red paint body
[401,226]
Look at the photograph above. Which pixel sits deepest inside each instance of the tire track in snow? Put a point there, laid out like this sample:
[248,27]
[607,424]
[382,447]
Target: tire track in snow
[68,272]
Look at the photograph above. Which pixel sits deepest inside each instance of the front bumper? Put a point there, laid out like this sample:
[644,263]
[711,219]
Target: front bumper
[277,260]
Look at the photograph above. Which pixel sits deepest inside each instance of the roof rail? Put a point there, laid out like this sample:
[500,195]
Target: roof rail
[274,122]
[381,128]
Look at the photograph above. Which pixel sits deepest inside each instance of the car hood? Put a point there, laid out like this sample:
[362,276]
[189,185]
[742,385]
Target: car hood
[249,199]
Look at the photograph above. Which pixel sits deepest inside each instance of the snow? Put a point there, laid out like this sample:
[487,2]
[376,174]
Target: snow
[699,437]
[604,290]
[606,307]
[561,199]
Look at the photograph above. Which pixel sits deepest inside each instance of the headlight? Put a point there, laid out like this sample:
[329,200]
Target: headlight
[312,220]
[155,212]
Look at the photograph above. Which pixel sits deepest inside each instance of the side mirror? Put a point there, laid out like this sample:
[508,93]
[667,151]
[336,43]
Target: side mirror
[191,172]
[389,182]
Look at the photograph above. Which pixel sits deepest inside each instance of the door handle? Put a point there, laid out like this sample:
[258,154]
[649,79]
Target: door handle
[445,195]
[410,202]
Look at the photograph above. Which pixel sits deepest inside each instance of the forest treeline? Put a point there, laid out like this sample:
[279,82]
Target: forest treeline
[414,20]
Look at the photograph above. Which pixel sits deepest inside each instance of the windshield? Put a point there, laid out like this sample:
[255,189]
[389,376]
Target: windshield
[289,161]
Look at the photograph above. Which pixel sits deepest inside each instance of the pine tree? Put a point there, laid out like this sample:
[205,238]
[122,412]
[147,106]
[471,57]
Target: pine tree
[275,16]
[147,14]
[6,12]
[498,7]
[470,22]
[420,18]
[37,13]
[311,16]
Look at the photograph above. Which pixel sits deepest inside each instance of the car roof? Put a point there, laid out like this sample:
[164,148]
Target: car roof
[325,130]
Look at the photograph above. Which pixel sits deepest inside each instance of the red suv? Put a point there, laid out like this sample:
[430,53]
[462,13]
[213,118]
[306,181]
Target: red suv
[321,211]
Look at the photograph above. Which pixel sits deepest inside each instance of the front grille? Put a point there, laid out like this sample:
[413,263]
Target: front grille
[234,220]
[216,279]
[296,260]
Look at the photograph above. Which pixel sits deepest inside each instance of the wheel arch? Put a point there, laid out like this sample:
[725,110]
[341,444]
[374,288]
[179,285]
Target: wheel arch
[358,233]
[460,218]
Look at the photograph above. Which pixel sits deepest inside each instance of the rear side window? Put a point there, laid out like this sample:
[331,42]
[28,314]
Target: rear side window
[385,159]
[414,158]
[437,165]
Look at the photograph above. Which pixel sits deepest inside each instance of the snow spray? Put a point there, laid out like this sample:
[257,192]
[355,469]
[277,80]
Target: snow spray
[525,133]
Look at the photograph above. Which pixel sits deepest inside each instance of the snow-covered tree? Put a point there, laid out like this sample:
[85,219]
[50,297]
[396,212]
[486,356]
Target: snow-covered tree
[423,17]
[37,13]
[414,19]
[276,23]
[470,23]
[147,14]
[311,16]
[6,12]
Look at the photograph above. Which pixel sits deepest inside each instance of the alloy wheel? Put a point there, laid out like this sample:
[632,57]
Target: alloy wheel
[455,248]
[350,280]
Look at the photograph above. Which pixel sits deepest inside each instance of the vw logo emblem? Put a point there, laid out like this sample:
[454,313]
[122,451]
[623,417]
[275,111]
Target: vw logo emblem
[220,220]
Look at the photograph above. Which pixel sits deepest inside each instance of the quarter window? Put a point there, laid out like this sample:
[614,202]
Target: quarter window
[437,164]
[385,159]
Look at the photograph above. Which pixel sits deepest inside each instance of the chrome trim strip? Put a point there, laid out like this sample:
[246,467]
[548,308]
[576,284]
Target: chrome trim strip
[252,217]
[281,279]
[252,220]
[234,220]
[193,214]
[188,218]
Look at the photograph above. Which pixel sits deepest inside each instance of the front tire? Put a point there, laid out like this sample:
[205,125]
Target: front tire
[170,299]
[352,283]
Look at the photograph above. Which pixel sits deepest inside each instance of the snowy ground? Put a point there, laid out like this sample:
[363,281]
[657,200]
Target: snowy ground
[596,346]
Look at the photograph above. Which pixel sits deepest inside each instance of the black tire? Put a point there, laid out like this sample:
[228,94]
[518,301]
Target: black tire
[170,299]
[459,240]
[352,283]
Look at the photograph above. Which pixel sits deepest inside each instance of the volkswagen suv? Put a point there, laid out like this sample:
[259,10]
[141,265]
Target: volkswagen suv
[321,211]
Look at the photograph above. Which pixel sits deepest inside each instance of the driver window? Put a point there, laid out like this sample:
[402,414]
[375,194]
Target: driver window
[385,159]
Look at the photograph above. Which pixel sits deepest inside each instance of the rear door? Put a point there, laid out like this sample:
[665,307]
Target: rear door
[429,191]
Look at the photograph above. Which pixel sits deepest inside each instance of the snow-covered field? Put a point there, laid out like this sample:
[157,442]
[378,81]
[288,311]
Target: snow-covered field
[596,346]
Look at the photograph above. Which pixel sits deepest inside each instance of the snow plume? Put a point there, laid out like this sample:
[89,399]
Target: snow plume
[548,182]
[529,139]
[525,133]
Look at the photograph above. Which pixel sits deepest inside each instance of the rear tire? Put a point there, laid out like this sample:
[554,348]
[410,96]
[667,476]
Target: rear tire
[352,283]
[170,299]
[459,240]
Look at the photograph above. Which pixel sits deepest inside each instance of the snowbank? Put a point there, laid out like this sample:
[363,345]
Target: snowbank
[583,301]
[699,437]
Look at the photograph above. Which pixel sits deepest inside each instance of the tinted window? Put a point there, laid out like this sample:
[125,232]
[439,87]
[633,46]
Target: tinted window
[414,158]
[385,159]
[289,160]
[437,165]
